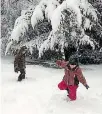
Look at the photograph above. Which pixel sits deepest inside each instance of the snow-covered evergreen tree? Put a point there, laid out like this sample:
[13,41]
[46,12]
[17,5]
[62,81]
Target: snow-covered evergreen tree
[69,19]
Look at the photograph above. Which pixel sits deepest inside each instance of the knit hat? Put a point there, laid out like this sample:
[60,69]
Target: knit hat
[73,60]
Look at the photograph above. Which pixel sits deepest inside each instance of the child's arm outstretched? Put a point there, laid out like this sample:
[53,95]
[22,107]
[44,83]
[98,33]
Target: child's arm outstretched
[81,78]
[61,63]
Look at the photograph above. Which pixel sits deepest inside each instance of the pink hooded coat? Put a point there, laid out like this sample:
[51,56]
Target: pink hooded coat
[69,74]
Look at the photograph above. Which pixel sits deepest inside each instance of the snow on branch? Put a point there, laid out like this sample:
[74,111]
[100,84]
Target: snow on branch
[39,13]
[88,10]
[8,46]
[80,15]
[32,44]
[53,39]
[21,25]
[80,9]
[87,40]
[52,5]
[46,44]
[57,15]
[20,28]
[19,31]
[87,24]
[44,9]
[37,16]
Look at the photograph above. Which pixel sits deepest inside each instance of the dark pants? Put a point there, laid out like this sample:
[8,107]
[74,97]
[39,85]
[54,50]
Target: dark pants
[22,75]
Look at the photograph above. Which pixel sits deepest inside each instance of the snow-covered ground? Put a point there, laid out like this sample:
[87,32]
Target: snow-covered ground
[38,94]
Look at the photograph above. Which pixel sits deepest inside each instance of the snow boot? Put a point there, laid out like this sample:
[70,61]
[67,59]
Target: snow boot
[19,78]
[23,76]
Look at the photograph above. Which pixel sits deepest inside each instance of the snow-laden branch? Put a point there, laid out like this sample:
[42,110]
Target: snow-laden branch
[39,13]
[8,46]
[52,5]
[87,40]
[21,25]
[19,31]
[87,24]
[32,44]
[88,10]
[37,16]
[45,45]
[45,9]
[80,9]
[20,28]
[52,11]
[80,15]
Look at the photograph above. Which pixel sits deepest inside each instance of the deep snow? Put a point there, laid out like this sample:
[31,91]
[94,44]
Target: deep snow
[38,94]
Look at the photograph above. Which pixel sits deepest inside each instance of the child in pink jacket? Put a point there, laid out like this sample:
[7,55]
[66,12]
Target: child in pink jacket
[73,75]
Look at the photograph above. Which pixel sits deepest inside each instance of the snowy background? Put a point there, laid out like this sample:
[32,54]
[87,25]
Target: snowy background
[38,93]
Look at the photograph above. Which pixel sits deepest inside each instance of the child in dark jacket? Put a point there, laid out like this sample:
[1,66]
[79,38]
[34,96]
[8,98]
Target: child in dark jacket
[73,75]
[19,63]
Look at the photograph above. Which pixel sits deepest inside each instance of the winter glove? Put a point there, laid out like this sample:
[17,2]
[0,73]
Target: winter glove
[87,87]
